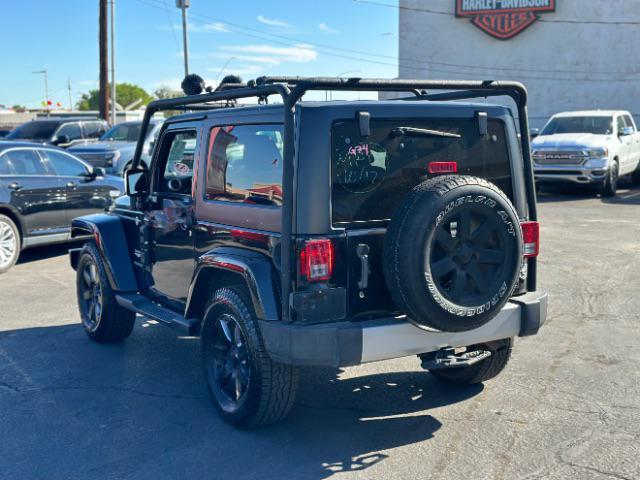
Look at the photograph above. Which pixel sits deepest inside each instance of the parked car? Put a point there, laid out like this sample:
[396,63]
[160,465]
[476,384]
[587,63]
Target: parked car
[588,148]
[323,233]
[4,132]
[62,132]
[114,150]
[42,188]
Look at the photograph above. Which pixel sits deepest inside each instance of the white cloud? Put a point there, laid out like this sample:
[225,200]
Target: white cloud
[272,22]
[326,28]
[217,27]
[299,53]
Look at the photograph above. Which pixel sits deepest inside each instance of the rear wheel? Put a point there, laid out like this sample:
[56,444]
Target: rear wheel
[482,371]
[10,243]
[635,177]
[249,390]
[103,320]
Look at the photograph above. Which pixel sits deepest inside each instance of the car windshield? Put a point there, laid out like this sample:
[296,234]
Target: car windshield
[125,132]
[595,125]
[34,130]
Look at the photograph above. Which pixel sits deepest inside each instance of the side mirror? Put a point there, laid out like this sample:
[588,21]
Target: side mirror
[136,182]
[534,132]
[625,132]
[62,140]
[99,172]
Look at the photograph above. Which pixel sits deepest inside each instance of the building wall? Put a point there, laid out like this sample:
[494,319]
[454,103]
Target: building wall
[565,63]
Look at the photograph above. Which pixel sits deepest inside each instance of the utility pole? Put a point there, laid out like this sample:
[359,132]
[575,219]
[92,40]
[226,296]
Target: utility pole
[103,96]
[69,90]
[113,63]
[46,88]
[183,5]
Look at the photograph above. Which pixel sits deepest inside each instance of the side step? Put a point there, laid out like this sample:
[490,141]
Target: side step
[142,305]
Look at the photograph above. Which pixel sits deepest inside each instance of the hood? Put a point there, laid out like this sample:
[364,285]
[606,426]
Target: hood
[100,146]
[571,140]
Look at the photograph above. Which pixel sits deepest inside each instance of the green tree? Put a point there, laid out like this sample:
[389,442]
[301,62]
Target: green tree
[19,108]
[126,94]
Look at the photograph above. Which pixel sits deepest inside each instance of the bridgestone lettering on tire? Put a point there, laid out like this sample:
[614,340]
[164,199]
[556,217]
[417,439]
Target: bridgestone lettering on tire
[453,253]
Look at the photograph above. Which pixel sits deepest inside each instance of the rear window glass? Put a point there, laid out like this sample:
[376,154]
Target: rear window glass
[34,130]
[370,176]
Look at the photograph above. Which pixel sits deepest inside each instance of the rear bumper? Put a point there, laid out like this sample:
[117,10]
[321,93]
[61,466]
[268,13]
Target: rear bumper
[343,344]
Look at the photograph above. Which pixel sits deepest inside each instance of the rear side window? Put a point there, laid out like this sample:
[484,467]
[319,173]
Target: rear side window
[628,122]
[65,165]
[244,164]
[93,129]
[23,162]
[370,176]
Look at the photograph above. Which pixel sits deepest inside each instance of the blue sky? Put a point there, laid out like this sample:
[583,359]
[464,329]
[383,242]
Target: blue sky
[253,38]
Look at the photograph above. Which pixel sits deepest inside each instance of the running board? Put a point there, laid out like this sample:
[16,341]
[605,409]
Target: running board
[142,305]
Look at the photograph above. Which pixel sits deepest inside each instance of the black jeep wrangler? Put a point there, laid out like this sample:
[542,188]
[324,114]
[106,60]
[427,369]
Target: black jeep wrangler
[323,233]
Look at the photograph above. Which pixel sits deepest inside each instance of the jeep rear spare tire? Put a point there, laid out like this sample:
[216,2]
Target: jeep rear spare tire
[453,253]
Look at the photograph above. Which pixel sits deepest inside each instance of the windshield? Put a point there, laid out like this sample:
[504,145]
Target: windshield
[125,132]
[595,125]
[34,130]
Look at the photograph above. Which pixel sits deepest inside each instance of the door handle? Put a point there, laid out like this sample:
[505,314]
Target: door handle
[15,186]
[362,250]
[72,184]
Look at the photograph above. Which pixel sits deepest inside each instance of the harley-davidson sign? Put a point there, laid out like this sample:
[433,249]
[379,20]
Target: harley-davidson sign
[503,19]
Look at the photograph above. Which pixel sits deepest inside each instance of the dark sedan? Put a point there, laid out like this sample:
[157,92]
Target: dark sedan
[42,188]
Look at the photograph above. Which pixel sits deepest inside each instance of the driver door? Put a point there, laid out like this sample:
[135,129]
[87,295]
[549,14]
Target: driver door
[171,215]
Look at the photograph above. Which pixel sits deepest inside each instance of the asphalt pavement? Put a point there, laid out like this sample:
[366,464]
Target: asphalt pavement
[566,407]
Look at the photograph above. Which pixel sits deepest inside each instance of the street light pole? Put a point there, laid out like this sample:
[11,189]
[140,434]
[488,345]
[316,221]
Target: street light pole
[113,63]
[183,5]
[46,88]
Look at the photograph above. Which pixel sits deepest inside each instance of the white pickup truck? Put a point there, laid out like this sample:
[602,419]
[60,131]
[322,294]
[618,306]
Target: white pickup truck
[590,147]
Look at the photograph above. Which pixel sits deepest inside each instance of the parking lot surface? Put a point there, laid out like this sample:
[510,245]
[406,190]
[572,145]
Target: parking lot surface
[567,406]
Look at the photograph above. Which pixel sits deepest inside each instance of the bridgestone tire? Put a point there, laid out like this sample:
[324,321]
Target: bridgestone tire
[480,372]
[270,391]
[453,253]
[113,323]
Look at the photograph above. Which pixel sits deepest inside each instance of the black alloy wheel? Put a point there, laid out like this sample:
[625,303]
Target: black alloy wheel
[92,299]
[229,371]
[469,255]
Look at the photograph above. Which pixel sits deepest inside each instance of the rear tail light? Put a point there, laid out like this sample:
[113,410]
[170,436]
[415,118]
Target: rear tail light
[316,260]
[530,238]
[443,167]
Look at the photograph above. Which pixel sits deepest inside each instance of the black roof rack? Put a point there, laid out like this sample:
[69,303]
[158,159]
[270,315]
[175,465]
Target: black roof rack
[292,89]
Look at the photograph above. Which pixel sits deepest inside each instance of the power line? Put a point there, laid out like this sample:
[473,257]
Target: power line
[420,65]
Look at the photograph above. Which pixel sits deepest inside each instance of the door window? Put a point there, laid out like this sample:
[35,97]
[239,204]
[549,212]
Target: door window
[628,122]
[65,165]
[245,164]
[24,162]
[176,159]
[71,131]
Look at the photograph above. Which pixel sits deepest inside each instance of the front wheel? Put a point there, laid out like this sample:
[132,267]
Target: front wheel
[249,390]
[479,372]
[635,177]
[610,185]
[103,320]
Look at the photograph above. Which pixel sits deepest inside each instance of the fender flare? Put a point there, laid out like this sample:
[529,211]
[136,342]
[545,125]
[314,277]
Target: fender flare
[108,234]
[256,269]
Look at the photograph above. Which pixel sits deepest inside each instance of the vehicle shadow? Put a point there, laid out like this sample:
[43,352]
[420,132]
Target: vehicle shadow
[44,252]
[627,194]
[141,409]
